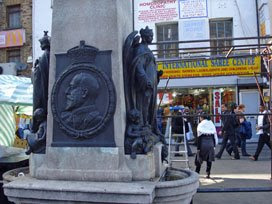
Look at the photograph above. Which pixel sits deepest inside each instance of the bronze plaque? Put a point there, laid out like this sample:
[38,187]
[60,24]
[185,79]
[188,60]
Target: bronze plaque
[83,102]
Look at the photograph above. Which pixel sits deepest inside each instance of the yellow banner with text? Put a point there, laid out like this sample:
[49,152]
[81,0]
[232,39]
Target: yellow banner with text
[245,66]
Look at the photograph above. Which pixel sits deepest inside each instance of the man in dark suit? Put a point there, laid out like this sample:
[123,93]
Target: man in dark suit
[263,130]
[229,124]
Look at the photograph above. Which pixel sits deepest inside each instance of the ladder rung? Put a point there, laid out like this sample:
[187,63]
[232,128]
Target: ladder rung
[177,136]
[178,152]
[182,143]
[186,160]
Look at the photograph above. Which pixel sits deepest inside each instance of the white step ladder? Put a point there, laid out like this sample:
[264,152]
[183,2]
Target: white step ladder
[171,144]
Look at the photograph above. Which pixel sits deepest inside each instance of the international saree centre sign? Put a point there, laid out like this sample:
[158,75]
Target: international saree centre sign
[245,66]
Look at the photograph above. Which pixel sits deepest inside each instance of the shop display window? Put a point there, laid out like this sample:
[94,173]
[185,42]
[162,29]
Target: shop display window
[194,100]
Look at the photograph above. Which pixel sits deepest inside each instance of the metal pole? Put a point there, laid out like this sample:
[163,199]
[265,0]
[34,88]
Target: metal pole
[259,88]
[133,23]
[258,25]
[164,91]
[270,93]
[211,39]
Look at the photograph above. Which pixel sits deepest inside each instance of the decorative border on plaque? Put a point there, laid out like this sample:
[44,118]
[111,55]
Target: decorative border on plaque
[85,120]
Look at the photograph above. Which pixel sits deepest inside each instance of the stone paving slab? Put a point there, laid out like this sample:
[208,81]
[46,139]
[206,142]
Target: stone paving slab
[243,173]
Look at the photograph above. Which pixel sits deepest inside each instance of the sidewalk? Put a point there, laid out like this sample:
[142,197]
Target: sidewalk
[243,173]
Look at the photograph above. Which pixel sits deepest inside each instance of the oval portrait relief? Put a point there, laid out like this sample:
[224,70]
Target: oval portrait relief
[83,101]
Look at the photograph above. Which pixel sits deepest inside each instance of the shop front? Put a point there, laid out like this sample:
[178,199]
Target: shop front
[198,98]
[206,84]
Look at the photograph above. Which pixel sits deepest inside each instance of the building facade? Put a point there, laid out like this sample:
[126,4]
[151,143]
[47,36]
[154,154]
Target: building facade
[16,35]
[265,16]
[203,23]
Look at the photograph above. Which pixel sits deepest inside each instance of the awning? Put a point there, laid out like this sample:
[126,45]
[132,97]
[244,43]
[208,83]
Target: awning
[15,95]
[7,125]
[15,90]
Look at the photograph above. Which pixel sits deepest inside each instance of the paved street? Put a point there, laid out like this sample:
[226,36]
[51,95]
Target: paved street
[243,173]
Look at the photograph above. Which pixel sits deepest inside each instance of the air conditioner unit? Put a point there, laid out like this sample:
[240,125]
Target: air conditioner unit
[9,68]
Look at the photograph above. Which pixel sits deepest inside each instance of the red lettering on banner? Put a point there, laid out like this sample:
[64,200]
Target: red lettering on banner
[217,103]
[217,117]
[217,107]
[157,11]
[217,95]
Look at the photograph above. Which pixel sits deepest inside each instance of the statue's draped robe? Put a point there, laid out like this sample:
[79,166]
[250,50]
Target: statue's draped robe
[40,85]
[144,71]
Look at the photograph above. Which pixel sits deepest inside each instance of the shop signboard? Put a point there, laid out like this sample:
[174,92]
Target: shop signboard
[217,107]
[12,38]
[243,66]
[147,11]
[192,9]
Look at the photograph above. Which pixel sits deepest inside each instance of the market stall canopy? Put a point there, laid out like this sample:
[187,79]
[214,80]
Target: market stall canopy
[16,90]
[15,96]
[7,125]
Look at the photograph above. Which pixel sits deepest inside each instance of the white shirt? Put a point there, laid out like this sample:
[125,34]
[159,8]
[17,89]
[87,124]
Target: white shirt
[207,127]
[260,123]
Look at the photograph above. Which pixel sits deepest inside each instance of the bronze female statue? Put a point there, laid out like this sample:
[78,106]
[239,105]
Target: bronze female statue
[40,79]
[37,139]
[141,80]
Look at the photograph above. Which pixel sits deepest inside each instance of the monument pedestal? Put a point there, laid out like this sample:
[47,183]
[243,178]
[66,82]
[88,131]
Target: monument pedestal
[31,190]
[84,164]
[36,191]
[103,24]
[80,164]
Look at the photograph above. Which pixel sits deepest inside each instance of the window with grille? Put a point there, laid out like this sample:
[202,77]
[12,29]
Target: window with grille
[165,33]
[14,16]
[14,55]
[220,29]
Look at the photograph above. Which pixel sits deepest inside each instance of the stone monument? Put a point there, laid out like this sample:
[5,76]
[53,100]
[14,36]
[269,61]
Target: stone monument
[85,159]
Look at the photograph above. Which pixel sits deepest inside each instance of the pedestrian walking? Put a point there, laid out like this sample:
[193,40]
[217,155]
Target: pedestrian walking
[263,130]
[241,132]
[229,124]
[206,142]
[245,129]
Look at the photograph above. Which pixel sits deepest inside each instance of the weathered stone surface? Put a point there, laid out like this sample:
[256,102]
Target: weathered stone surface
[143,167]
[178,191]
[159,166]
[35,161]
[146,167]
[84,164]
[30,190]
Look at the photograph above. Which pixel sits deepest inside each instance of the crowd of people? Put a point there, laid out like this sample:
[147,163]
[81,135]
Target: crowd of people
[235,131]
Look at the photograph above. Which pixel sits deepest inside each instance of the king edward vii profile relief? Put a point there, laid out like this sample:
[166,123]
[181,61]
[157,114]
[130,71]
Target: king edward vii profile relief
[80,111]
